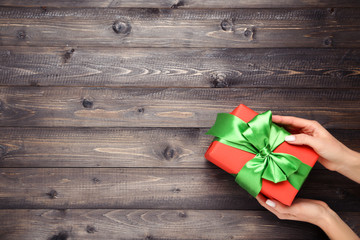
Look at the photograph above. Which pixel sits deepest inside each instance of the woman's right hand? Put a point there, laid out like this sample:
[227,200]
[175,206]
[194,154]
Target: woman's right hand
[333,154]
[312,211]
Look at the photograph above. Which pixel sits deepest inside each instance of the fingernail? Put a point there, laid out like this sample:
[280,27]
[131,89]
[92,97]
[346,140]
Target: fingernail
[290,138]
[270,203]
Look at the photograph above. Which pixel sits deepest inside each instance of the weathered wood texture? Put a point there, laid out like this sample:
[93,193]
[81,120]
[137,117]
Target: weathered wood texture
[155,224]
[167,107]
[182,3]
[232,28]
[180,67]
[153,188]
[104,107]
[116,147]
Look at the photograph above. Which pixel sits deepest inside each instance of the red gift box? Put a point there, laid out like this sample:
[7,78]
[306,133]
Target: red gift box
[232,160]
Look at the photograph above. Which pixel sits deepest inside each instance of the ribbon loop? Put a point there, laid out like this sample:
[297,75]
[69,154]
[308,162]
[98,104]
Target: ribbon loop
[260,137]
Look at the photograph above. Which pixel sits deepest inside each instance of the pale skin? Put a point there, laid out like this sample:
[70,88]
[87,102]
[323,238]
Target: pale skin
[334,156]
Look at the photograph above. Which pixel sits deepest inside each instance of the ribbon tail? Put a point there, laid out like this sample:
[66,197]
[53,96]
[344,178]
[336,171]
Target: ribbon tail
[298,178]
[250,176]
[289,168]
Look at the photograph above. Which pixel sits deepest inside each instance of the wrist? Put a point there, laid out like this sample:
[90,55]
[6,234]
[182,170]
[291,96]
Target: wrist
[335,228]
[327,219]
[350,166]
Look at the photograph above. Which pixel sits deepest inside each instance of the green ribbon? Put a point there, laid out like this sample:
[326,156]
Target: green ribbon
[261,137]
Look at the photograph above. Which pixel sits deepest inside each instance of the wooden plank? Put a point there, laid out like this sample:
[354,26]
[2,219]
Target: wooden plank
[153,188]
[180,67]
[182,3]
[169,107]
[115,147]
[231,28]
[103,147]
[155,224]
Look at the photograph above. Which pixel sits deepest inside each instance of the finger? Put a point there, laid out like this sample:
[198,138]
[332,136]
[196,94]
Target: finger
[291,121]
[280,210]
[303,139]
[276,208]
[262,200]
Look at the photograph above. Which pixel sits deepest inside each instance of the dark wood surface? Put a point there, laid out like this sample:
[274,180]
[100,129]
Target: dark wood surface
[169,107]
[116,147]
[180,67]
[153,188]
[155,224]
[177,4]
[231,28]
[104,106]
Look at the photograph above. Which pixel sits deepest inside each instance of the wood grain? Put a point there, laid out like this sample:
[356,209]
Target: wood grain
[153,27]
[155,224]
[116,147]
[182,3]
[169,107]
[180,67]
[153,188]
[104,106]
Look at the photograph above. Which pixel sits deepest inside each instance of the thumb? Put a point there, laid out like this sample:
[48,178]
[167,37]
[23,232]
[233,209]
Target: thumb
[302,139]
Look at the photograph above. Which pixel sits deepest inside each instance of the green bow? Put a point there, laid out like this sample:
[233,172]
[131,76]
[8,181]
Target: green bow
[261,137]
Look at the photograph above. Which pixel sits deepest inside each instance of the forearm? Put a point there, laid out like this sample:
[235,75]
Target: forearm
[335,227]
[351,165]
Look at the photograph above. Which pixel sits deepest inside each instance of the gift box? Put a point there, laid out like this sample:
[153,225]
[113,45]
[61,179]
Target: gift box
[240,148]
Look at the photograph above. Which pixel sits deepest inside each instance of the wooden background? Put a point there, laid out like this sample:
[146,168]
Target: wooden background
[104,107]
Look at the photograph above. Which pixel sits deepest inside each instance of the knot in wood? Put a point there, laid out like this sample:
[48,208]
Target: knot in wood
[87,103]
[182,215]
[169,153]
[327,42]
[3,150]
[176,190]
[121,27]
[96,180]
[331,11]
[61,236]
[226,25]
[68,54]
[249,33]
[21,34]
[52,194]
[90,229]
[219,80]
[178,4]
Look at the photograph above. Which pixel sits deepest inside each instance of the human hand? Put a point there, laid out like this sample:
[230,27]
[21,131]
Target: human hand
[333,154]
[311,211]
[305,210]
